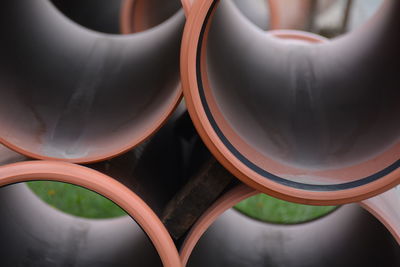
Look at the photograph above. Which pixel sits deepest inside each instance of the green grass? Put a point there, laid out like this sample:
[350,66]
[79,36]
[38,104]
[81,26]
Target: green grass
[268,209]
[75,200]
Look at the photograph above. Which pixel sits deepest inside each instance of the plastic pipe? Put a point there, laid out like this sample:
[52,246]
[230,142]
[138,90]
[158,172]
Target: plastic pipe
[73,94]
[308,122]
[34,233]
[348,236]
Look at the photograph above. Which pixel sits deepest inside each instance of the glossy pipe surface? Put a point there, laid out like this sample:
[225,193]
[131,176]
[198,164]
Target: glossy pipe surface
[78,95]
[313,119]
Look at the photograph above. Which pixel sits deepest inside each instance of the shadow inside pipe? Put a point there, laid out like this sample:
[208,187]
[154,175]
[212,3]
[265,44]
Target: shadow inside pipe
[97,15]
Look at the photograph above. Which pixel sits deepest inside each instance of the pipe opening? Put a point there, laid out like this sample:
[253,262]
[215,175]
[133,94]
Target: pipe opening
[297,109]
[78,95]
[350,236]
[35,234]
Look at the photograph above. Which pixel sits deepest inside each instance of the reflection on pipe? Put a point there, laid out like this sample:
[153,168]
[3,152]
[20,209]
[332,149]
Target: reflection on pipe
[78,95]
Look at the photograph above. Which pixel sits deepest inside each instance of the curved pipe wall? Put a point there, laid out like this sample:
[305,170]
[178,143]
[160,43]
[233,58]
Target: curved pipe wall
[77,95]
[310,123]
[347,237]
[33,233]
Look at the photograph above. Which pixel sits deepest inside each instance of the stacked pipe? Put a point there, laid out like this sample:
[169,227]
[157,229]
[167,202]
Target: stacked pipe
[288,113]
